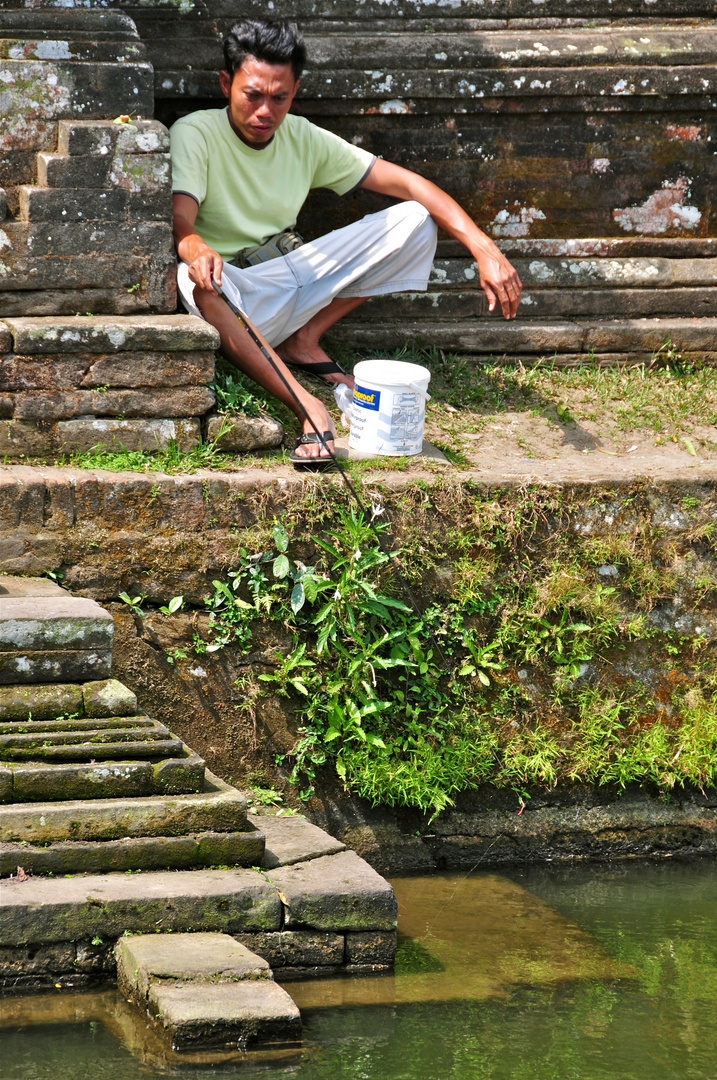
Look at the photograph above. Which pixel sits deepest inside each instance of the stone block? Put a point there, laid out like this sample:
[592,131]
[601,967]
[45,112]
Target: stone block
[91,434]
[40,702]
[143,137]
[5,338]
[41,373]
[335,892]
[293,839]
[60,782]
[71,204]
[16,587]
[20,438]
[60,171]
[235,433]
[217,808]
[297,948]
[105,334]
[140,853]
[67,665]
[164,369]
[29,242]
[65,404]
[140,172]
[42,623]
[377,949]
[80,138]
[196,958]
[6,785]
[108,697]
[176,775]
[3,204]
[150,205]
[66,909]
[203,1016]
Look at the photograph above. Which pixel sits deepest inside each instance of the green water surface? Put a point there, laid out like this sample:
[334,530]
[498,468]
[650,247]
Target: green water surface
[554,973]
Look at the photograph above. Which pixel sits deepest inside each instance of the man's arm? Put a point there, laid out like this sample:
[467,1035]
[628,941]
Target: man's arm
[498,279]
[204,262]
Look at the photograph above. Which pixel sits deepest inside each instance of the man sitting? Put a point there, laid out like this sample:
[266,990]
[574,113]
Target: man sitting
[241,175]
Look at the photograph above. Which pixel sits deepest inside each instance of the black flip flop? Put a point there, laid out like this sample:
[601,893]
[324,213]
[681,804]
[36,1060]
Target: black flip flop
[312,464]
[317,371]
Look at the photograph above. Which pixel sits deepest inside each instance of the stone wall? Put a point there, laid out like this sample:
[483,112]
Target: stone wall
[86,203]
[137,382]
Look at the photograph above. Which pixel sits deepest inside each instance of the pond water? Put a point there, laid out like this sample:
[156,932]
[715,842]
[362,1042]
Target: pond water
[582,972]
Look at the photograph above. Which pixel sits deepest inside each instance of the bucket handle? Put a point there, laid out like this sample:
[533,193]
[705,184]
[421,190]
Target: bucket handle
[419,390]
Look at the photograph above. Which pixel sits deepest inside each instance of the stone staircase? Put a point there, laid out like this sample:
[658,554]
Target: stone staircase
[88,783]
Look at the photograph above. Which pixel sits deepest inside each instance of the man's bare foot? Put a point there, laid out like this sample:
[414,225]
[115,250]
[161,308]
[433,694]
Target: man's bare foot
[300,351]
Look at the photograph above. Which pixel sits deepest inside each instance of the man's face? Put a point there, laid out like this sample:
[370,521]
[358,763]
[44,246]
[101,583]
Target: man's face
[260,96]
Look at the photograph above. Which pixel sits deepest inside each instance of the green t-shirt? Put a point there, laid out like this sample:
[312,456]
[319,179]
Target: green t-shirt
[247,195]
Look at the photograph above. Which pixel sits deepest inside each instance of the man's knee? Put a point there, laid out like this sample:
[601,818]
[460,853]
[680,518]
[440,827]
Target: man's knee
[425,227]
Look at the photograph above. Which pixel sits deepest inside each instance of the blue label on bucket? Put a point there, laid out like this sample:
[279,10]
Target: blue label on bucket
[367,399]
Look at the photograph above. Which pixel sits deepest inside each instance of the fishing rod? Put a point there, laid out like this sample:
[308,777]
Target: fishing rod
[331,455]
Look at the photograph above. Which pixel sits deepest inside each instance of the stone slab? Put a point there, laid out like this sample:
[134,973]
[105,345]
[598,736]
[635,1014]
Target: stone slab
[237,434]
[135,774]
[138,854]
[335,892]
[141,434]
[17,587]
[40,702]
[144,959]
[293,839]
[44,910]
[108,697]
[218,807]
[178,401]
[203,1015]
[297,948]
[377,949]
[51,623]
[106,334]
[67,665]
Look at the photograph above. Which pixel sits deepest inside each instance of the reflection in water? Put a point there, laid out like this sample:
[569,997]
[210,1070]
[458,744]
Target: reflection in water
[579,973]
[470,938]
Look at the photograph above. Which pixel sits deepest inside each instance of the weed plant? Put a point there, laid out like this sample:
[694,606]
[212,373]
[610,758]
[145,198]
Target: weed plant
[497,685]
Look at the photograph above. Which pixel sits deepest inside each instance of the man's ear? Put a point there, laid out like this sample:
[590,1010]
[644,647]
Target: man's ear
[225,81]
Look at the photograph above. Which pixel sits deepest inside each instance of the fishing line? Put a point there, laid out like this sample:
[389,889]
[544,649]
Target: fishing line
[350,487]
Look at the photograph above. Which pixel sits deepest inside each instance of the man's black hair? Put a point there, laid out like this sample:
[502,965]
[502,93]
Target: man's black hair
[272,41]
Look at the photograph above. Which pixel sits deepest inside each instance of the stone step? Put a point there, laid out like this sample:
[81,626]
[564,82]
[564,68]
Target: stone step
[205,990]
[53,639]
[151,741]
[217,807]
[186,852]
[116,777]
[439,305]
[641,337]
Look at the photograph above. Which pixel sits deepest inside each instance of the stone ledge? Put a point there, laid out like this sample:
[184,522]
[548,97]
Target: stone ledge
[217,808]
[49,623]
[144,853]
[335,892]
[199,1015]
[42,910]
[196,958]
[293,839]
[110,334]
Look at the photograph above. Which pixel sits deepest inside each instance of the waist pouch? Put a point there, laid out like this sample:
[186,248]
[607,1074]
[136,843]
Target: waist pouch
[273,248]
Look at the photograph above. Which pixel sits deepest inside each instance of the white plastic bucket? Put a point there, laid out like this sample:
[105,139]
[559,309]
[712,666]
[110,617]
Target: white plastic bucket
[389,407]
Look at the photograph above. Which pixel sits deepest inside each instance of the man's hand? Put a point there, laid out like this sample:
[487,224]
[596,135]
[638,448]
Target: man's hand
[498,279]
[205,264]
[206,268]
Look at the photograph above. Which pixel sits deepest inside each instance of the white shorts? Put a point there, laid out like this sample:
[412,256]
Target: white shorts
[391,251]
